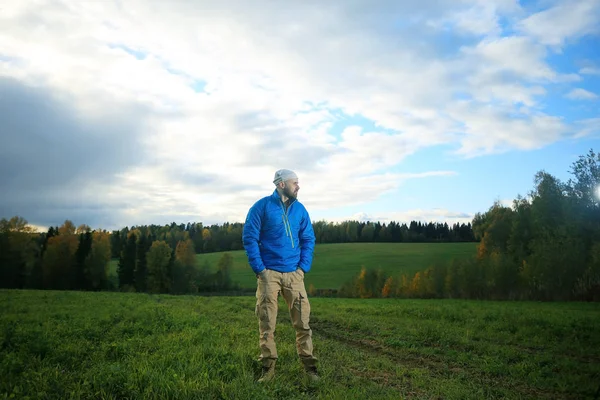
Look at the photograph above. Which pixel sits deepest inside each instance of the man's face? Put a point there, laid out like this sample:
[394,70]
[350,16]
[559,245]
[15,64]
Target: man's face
[290,188]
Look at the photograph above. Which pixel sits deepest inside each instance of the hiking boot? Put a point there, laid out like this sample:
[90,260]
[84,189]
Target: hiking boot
[268,373]
[312,374]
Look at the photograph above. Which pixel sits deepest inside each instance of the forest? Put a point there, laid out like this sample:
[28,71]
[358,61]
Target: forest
[545,247]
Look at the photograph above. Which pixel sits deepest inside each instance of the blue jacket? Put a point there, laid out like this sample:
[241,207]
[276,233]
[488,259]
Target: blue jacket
[278,239]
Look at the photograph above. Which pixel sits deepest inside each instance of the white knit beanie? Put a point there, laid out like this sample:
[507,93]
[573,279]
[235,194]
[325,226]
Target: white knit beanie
[283,175]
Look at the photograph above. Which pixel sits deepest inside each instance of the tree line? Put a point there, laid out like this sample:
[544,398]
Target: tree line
[148,263]
[65,258]
[228,236]
[78,258]
[161,259]
[546,246]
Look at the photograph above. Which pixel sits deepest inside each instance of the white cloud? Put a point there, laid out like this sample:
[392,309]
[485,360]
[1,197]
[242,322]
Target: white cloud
[490,129]
[567,20]
[587,127]
[480,18]
[581,94]
[276,78]
[590,71]
[512,57]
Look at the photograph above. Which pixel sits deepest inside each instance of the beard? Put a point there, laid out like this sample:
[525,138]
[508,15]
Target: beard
[289,192]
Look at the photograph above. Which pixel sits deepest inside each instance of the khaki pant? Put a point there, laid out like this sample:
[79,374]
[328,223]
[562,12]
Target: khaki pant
[291,285]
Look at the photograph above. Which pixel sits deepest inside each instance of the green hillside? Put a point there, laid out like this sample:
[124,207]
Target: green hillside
[335,263]
[82,345]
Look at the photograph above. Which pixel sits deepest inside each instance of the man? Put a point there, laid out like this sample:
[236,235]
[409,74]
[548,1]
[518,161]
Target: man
[279,241]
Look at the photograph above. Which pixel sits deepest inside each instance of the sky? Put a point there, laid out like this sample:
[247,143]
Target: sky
[129,113]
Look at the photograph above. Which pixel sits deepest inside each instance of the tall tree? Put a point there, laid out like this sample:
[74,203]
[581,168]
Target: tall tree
[81,278]
[141,269]
[59,258]
[18,252]
[127,262]
[223,274]
[185,272]
[158,260]
[97,261]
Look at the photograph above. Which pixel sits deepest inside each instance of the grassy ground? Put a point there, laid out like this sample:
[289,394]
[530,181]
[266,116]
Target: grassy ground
[71,345]
[335,263]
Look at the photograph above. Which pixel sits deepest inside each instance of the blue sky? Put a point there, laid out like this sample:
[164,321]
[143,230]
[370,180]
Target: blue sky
[139,113]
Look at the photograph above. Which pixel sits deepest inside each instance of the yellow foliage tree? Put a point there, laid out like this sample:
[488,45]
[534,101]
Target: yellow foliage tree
[98,260]
[83,228]
[362,290]
[59,258]
[388,287]
[67,228]
[185,272]
[416,285]
[403,288]
[185,253]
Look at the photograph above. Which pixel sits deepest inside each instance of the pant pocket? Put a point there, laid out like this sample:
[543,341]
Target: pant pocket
[302,312]
[261,306]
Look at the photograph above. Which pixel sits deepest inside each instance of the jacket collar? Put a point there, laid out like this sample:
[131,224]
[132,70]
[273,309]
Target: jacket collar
[275,196]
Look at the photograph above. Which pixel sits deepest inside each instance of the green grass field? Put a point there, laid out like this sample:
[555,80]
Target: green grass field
[74,345]
[334,264]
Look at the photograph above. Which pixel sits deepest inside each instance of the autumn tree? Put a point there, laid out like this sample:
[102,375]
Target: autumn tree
[207,242]
[417,285]
[59,258]
[389,287]
[185,269]
[97,261]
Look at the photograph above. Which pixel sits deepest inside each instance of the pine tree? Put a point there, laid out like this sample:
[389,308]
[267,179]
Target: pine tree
[82,279]
[141,269]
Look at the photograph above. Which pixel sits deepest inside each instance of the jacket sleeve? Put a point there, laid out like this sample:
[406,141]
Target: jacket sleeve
[251,237]
[307,243]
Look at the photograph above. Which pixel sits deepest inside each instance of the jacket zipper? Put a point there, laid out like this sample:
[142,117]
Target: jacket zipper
[286,223]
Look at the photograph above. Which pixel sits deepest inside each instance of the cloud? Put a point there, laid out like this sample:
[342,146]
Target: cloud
[512,58]
[590,71]
[479,18]
[566,20]
[185,110]
[581,94]
[50,150]
[496,129]
[588,127]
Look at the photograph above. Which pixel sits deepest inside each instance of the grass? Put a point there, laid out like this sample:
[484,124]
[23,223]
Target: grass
[334,264]
[75,345]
